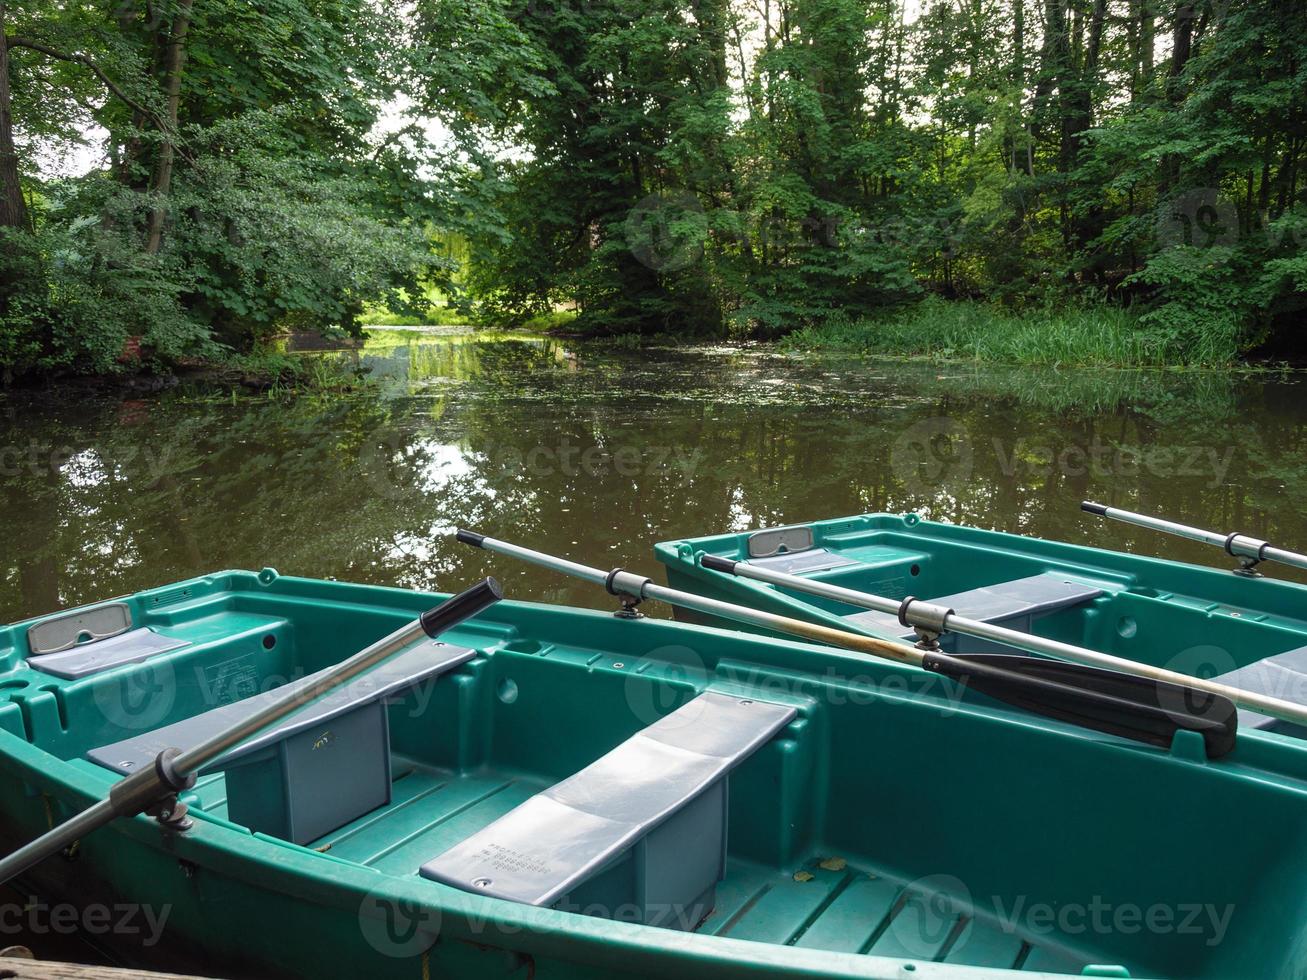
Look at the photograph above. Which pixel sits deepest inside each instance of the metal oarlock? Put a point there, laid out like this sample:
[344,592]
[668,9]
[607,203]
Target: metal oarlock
[927,619]
[155,791]
[1251,552]
[629,589]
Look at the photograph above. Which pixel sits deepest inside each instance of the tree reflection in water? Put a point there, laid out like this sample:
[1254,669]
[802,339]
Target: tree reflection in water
[597,453]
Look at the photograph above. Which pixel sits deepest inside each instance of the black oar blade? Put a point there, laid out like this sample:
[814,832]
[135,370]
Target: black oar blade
[1135,707]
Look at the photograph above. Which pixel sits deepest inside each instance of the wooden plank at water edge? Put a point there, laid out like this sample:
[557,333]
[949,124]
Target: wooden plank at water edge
[19,968]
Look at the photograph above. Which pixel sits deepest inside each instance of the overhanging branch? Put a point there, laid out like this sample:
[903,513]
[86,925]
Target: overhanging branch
[82,59]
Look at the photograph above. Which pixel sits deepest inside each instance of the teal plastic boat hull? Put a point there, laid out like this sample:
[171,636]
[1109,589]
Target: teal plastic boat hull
[893,828]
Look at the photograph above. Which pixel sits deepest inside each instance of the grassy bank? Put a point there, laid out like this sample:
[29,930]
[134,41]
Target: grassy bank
[1089,336]
[434,316]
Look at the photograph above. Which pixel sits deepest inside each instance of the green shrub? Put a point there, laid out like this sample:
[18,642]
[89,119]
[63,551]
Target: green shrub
[82,288]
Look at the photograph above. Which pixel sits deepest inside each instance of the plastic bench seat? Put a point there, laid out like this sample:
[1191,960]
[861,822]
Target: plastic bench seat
[639,834]
[1012,604]
[83,642]
[796,563]
[322,767]
[85,659]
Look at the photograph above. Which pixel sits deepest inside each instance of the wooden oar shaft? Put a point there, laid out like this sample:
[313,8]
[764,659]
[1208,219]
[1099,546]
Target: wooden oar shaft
[1107,701]
[886,649]
[898,652]
[1251,700]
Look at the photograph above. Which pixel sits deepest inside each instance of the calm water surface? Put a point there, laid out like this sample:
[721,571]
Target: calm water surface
[597,453]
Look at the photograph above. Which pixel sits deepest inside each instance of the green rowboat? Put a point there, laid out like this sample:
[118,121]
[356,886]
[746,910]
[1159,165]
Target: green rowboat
[550,792]
[1246,632]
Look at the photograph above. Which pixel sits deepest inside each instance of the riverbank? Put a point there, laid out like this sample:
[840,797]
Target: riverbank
[1088,336]
[935,330]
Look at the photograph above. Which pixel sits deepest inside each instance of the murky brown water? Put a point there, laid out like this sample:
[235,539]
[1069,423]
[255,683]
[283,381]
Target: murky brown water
[598,453]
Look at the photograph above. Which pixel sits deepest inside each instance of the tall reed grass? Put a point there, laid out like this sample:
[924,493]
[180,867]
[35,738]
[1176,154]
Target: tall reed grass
[1077,336]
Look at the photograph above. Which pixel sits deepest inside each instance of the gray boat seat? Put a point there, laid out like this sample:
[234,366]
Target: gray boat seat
[84,659]
[1282,676]
[792,550]
[324,765]
[1015,605]
[639,834]
[87,641]
[798,562]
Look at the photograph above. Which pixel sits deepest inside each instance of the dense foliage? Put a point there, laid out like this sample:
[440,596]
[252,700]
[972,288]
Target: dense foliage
[751,166]
[242,190]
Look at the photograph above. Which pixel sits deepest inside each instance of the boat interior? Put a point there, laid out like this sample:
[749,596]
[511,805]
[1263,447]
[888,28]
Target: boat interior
[1249,633]
[693,779]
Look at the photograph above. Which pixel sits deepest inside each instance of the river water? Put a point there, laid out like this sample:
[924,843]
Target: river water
[598,452]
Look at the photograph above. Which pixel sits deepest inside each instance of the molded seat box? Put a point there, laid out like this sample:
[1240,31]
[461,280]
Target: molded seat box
[308,784]
[639,835]
[324,766]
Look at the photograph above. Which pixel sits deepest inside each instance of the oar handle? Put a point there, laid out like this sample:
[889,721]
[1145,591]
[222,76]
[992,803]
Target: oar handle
[460,608]
[716,563]
[174,771]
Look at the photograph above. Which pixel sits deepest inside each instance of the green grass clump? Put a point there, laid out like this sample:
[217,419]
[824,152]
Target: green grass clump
[278,374]
[1089,336]
[435,316]
[553,320]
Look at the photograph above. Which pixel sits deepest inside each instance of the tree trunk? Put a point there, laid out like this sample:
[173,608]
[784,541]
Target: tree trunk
[175,61]
[126,165]
[13,209]
[1147,41]
[711,16]
[1182,37]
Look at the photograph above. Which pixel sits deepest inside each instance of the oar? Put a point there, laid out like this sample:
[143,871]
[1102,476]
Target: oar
[1250,551]
[154,790]
[1142,709]
[935,619]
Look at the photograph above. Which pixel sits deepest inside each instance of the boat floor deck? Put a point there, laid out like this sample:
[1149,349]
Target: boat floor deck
[821,903]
